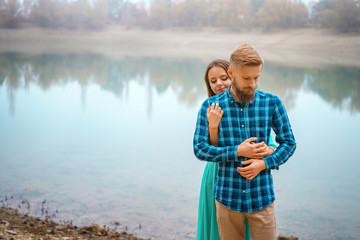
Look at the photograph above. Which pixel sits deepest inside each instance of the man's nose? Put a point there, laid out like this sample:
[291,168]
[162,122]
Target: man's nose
[253,83]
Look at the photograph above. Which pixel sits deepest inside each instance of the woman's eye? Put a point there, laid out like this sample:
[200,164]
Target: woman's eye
[213,81]
[224,78]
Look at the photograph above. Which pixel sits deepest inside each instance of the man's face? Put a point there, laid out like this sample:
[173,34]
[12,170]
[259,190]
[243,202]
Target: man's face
[244,82]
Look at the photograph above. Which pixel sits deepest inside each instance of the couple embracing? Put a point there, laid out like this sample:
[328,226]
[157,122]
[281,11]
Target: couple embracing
[233,135]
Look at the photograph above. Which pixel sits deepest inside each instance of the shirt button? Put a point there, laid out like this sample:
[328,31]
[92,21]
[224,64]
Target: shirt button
[241,109]
[242,125]
[244,191]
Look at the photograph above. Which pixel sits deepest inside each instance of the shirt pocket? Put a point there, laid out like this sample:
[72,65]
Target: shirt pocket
[259,129]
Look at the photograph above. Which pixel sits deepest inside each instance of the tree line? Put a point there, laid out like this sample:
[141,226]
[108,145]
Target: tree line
[236,15]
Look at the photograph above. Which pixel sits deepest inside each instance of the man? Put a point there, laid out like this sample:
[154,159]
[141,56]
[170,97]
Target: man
[243,185]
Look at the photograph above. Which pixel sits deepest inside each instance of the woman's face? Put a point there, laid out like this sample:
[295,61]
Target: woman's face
[218,80]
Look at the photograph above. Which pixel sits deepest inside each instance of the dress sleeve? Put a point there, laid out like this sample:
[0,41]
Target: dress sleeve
[271,142]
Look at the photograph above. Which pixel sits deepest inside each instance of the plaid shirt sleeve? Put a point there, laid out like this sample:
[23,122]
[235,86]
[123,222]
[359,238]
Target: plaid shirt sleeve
[203,150]
[284,136]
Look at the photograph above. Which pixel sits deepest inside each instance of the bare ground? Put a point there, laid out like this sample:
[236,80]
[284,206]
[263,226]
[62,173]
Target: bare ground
[299,47]
[18,226]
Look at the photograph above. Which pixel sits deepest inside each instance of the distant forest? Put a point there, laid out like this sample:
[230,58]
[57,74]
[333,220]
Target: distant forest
[235,15]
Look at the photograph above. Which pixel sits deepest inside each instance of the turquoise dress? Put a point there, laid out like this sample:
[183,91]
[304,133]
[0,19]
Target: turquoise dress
[207,224]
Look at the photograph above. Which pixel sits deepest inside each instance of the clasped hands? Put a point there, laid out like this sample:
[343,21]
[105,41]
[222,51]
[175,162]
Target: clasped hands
[256,152]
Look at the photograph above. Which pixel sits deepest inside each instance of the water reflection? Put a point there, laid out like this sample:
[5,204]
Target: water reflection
[339,86]
[283,81]
[18,71]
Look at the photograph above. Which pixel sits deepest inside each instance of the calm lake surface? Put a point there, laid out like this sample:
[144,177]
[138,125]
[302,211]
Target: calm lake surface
[104,140]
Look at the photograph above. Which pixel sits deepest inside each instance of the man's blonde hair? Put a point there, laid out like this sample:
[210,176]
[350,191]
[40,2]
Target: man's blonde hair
[245,55]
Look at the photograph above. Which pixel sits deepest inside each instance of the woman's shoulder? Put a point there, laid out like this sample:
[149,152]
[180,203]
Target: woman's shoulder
[219,97]
[215,99]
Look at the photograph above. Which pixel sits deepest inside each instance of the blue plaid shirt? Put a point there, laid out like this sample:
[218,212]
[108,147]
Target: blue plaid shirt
[240,122]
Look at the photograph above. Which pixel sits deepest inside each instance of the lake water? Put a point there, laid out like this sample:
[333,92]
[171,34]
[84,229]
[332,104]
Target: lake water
[103,140]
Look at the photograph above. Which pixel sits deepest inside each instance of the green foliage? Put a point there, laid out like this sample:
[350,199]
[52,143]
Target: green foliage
[237,15]
[282,14]
[46,13]
[99,14]
[234,14]
[133,15]
[188,14]
[10,14]
[229,14]
[55,13]
[160,14]
[341,15]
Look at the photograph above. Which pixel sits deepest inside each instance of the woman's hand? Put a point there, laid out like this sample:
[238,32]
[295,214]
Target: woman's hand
[269,150]
[214,115]
[249,149]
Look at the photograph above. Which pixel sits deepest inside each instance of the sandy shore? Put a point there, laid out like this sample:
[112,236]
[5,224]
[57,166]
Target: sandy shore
[300,47]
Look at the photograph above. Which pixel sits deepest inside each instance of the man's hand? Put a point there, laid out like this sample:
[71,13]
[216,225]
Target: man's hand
[250,149]
[253,169]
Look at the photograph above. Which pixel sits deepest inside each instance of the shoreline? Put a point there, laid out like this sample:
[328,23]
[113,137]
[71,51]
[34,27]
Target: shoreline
[304,48]
[19,226]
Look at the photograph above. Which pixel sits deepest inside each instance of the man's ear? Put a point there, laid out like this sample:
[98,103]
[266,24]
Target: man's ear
[230,72]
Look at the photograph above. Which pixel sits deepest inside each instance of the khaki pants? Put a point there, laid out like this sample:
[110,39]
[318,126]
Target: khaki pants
[231,224]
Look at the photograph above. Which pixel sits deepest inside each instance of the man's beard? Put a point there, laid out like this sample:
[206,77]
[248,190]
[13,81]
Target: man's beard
[244,97]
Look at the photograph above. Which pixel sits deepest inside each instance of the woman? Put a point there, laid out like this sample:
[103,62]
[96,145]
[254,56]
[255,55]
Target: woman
[217,81]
